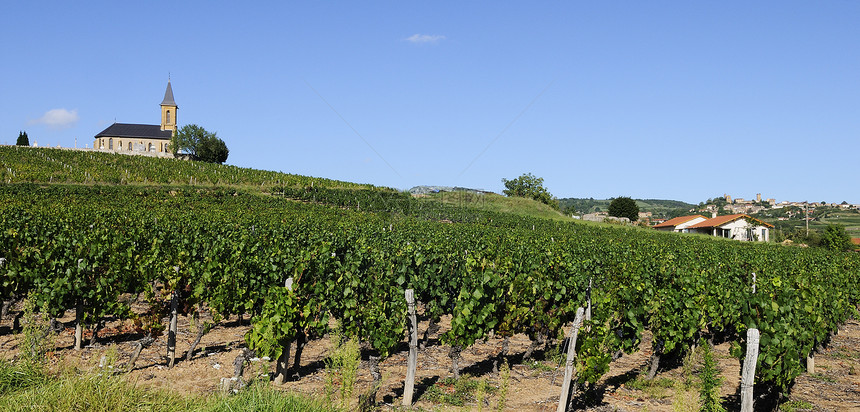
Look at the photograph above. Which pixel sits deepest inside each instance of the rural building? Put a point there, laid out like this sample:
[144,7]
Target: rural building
[150,138]
[739,227]
[680,224]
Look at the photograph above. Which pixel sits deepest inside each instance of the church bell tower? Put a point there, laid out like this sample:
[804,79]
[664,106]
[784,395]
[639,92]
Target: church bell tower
[168,110]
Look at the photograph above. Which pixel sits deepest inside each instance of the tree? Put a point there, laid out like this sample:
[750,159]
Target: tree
[624,207]
[530,186]
[199,143]
[835,238]
[23,140]
[212,150]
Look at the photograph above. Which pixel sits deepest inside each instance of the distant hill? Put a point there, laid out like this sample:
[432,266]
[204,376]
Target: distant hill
[658,207]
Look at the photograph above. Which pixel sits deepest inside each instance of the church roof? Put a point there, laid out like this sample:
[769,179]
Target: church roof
[139,131]
[168,96]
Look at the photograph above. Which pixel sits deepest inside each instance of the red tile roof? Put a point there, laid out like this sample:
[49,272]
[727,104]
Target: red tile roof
[721,220]
[678,220]
[855,240]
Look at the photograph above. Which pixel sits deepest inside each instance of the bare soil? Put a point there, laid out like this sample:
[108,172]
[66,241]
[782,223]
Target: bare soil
[533,386]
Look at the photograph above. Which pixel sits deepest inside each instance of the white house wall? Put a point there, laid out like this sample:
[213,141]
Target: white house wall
[682,226]
[738,230]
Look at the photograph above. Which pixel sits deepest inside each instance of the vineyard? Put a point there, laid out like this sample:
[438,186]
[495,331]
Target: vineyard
[80,231]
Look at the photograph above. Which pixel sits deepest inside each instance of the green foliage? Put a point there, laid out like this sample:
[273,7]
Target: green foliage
[505,375]
[530,186]
[23,140]
[262,397]
[624,207]
[25,388]
[212,149]
[655,388]
[36,336]
[796,406]
[352,252]
[272,329]
[199,143]
[835,238]
[20,375]
[341,369]
[459,392]
[709,393]
[659,207]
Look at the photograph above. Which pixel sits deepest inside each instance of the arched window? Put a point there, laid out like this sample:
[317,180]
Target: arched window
[110,143]
[119,145]
[129,145]
[168,117]
[151,147]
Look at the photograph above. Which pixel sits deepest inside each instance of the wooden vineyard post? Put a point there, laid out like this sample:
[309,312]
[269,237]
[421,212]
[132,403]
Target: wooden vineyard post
[409,384]
[79,324]
[748,373]
[571,355]
[588,310]
[171,333]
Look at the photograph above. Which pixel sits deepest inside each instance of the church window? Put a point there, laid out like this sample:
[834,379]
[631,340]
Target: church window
[129,145]
[110,144]
[151,147]
[168,117]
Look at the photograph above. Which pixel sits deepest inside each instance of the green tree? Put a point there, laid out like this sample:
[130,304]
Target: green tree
[624,207]
[835,238]
[199,143]
[23,140]
[530,186]
[212,150]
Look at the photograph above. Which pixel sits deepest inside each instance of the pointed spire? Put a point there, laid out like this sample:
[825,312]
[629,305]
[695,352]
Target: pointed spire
[168,96]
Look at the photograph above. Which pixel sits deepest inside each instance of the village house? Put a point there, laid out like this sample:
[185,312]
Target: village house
[680,224]
[738,226]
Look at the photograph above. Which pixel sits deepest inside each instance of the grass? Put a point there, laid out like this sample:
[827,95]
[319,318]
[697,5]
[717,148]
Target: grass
[656,388]
[28,388]
[822,377]
[497,203]
[457,392]
[796,406]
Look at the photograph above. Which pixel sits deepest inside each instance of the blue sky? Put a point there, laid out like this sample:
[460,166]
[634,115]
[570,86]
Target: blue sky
[671,100]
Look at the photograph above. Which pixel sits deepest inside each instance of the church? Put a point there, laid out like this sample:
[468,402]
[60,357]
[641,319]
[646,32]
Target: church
[149,138]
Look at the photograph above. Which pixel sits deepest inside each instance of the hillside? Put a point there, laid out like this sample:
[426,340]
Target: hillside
[656,206]
[306,258]
[48,165]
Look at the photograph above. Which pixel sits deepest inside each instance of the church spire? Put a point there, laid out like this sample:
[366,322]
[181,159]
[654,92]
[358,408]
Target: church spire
[168,109]
[168,96]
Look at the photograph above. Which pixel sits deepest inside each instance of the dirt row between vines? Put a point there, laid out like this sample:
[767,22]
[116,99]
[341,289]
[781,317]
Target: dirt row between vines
[533,386]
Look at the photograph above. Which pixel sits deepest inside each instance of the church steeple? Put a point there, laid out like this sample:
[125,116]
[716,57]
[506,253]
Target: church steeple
[168,109]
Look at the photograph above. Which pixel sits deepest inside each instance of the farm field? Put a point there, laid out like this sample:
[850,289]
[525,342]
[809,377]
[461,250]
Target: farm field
[301,258]
[533,385]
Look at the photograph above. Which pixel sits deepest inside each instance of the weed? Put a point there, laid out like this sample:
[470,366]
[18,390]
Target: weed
[457,392]
[541,366]
[796,406]
[480,393]
[20,375]
[655,388]
[709,393]
[341,368]
[685,400]
[505,372]
[37,339]
[822,377]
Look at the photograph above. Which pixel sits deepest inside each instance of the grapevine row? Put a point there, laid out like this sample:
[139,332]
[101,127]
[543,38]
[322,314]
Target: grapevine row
[82,247]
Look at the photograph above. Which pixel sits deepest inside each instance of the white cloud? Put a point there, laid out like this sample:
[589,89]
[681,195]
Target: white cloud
[425,38]
[58,118]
